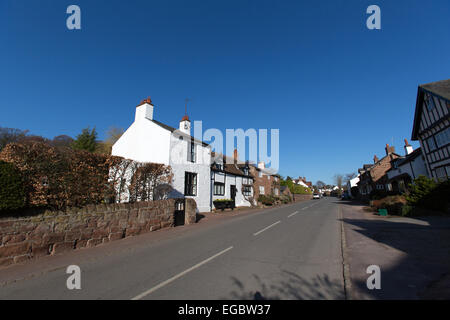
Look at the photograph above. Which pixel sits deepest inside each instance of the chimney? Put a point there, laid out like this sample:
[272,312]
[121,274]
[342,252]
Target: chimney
[235,156]
[185,125]
[144,110]
[375,159]
[261,165]
[389,149]
[408,148]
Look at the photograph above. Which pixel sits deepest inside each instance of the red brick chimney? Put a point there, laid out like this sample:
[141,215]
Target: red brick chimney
[375,159]
[389,149]
[235,156]
[408,148]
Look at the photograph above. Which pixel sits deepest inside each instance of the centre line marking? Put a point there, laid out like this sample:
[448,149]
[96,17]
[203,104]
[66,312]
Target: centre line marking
[164,283]
[273,224]
[292,214]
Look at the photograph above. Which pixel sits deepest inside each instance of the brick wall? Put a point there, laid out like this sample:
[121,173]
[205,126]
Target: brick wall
[302,197]
[22,239]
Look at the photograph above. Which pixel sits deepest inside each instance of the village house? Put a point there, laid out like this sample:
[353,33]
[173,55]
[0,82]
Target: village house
[148,140]
[302,181]
[353,183]
[432,127]
[373,177]
[405,169]
[266,182]
[232,180]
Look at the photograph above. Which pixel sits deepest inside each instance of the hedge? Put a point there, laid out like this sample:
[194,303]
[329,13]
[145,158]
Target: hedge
[57,178]
[12,195]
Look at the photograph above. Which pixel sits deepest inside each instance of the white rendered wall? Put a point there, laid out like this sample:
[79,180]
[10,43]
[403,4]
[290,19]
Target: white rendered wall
[144,141]
[180,165]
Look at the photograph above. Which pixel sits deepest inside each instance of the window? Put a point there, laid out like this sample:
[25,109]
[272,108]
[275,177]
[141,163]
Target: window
[245,170]
[443,137]
[440,173]
[190,184]
[276,191]
[191,152]
[261,189]
[431,144]
[260,174]
[218,166]
[219,188]
[247,191]
[380,187]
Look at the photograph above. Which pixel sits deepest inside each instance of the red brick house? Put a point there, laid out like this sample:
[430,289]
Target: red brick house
[265,182]
[374,177]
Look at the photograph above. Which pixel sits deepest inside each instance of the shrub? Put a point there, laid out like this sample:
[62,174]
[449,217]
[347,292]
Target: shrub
[61,177]
[393,204]
[266,200]
[12,195]
[427,194]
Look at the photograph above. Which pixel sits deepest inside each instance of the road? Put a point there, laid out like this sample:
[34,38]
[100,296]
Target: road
[289,252]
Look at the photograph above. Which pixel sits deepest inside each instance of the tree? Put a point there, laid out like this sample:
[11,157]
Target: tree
[320,184]
[87,140]
[9,135]
[349,176]
[62,141]
[338,180]
[112,136]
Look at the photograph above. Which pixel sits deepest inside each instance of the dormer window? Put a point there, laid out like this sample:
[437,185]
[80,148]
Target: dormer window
[245,170]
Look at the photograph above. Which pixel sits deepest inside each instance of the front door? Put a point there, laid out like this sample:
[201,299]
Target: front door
[233,192]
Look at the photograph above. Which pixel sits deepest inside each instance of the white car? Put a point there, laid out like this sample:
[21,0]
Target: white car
[316,196]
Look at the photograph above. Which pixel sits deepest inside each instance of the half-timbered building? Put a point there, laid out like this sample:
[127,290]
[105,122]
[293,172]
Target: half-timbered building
[432,127]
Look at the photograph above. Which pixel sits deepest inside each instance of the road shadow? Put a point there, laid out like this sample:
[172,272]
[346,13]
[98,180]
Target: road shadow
[291,287]
[199,217]
[412,273]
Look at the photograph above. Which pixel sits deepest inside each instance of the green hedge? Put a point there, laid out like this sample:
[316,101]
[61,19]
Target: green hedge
[12,194]
[427,194]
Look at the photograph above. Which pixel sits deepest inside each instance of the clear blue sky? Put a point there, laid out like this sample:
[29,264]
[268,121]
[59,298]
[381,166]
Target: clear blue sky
[337,91]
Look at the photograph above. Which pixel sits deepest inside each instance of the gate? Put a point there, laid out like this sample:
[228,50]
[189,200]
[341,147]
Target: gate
[179,212]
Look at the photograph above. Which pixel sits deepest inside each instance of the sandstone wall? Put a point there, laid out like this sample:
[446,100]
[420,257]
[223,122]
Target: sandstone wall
[54,232]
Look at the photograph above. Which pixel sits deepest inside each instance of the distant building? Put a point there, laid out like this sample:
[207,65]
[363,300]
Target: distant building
[405,169]
[373,177]
[266,182]
[432,127]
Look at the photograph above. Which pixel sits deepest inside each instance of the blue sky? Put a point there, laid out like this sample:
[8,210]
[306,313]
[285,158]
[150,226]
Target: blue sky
[337,91]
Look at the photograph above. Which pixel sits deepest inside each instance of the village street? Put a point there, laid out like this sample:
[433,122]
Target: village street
[288,252]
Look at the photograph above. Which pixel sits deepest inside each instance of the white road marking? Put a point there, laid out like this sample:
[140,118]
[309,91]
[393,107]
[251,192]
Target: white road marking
[292,214]
[164,283]
[273,224]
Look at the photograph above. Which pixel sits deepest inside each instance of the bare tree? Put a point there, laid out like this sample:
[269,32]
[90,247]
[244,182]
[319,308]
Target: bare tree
[338,180]
[349,176]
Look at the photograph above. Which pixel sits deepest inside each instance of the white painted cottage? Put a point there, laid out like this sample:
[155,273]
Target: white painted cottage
[231,179]
[148,140]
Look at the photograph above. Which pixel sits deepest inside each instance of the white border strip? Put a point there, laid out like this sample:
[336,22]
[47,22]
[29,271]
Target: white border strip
[273,224]
[164,283]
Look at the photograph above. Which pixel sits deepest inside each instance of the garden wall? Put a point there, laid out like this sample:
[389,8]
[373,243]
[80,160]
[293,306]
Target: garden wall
[55,232]
[302,197]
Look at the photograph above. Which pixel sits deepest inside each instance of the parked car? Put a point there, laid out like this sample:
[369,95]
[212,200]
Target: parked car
[316,195]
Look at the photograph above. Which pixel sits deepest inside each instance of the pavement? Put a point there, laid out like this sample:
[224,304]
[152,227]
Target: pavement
[287,252]
[413,254]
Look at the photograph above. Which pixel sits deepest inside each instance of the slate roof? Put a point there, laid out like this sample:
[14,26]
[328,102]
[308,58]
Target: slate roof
[172,129]
[438,88]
